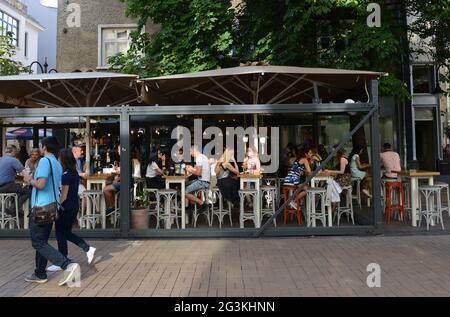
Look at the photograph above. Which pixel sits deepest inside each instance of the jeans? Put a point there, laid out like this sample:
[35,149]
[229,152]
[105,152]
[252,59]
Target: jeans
[23,193]
[44,252]
[64,233]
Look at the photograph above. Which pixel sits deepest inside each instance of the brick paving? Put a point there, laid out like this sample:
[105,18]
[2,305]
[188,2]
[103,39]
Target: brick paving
[334,266]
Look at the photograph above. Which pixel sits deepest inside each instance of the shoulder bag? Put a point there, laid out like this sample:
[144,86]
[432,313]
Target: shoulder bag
[44,215]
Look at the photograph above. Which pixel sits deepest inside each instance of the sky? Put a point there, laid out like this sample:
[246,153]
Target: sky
[50,3]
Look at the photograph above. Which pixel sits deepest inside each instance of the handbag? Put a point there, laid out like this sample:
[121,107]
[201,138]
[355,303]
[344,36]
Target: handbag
[44,215]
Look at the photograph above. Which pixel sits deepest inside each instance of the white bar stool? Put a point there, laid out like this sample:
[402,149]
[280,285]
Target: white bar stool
[6,200]
[244,214]
[268,202]
[168,213]
[444,187]
[218,209]
[433,208]
[357,194]
[92,215]
[346,209]
[196,214]
[312,213]
[152,195]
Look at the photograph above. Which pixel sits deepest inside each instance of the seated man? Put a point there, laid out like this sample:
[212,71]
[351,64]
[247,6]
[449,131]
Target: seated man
[110,192]
[390,160]
[9,167]
[203,172]
[78,153]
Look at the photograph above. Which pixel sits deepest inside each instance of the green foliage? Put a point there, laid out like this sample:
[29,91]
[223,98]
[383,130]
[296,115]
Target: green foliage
[7,51]
[198,35]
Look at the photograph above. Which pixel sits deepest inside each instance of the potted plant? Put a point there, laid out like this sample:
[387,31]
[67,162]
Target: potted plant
[139,211]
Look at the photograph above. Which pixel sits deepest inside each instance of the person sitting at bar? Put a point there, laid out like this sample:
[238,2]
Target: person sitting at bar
[297,175]
[252,163]
[77,152]
[154,172]
[342,169]
[390,160]
[136,165]
[358,170]
[203,172]
[226,170]
[32,163]
[10,166]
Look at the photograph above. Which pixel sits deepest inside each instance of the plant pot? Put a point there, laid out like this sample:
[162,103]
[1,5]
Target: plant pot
[139,219]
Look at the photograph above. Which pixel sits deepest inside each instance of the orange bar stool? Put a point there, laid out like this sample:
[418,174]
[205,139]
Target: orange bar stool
[287,191]
[394,188]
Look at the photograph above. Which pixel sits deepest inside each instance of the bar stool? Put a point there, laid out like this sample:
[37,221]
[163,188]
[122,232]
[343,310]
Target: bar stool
[139,185]
[247,215]
[407,191]
[9,199]
[347,209]
[444,187]
[357,193]
[93,214]
[433,208]
[394,190]
[268,202]
[115,215]
[287,192]
[167,213]
[202,194]
[152,195]
[312,213]
[218,210]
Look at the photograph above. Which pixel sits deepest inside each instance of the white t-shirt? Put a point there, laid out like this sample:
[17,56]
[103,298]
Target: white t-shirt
[151,170]
[202,160]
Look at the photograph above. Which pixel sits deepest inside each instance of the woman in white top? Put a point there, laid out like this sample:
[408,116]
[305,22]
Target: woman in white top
[154,172]
[136,165]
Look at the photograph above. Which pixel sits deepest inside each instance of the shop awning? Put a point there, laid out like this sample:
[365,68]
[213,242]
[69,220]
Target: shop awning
[258,85]
[82,89]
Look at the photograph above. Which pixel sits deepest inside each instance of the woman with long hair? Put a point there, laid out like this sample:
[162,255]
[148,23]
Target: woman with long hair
[154,172]
[68,212]
[342,169]
[359,170]
[226,170]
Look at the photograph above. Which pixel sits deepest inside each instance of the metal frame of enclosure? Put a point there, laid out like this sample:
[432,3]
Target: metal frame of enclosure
[125,112]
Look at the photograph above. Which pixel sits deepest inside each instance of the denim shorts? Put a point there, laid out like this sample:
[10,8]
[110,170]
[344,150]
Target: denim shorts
[196,185]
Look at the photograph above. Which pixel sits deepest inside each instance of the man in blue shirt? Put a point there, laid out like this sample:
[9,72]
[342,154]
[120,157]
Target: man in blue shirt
[46,183]
[10,166]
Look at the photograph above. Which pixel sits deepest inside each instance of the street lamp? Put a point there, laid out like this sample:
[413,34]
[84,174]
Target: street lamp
[43,68]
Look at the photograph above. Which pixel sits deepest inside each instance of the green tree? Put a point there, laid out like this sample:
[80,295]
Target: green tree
[7,51]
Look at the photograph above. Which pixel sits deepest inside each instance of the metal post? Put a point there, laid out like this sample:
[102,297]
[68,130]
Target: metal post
[375,155]
[316,129]
[125,171]
[88,145]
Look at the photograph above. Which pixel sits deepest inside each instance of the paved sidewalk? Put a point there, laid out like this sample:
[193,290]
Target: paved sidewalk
[411,266]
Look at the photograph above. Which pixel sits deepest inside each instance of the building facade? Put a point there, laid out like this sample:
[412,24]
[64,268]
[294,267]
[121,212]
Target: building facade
[14,18]
[47,17]
[91,31]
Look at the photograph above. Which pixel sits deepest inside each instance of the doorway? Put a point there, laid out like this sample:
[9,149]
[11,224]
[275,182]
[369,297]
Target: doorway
[426,145]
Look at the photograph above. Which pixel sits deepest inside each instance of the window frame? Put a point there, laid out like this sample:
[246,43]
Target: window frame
[4,14]
[101,43]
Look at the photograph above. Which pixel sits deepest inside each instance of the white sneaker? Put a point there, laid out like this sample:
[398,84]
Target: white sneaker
[90,254]
[69,273]
[54,268]
[365,191]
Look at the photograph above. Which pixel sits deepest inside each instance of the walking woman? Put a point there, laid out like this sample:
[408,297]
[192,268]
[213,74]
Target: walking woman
[68,212]
[45,199]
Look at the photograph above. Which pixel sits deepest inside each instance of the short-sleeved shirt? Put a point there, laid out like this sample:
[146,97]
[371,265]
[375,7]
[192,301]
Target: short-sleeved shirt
[151,170]
[71,179]
[391,162]
[46,196]
[202,160]
[9,167]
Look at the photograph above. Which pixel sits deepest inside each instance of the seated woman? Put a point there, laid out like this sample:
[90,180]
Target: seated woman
[342,170]
[299,172]
[357,170]
[226,169]
[252,163]
[154,172]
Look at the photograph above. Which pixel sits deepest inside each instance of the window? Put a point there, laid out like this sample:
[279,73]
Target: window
[424,79]
[113,41]
[9,24]
[26,44]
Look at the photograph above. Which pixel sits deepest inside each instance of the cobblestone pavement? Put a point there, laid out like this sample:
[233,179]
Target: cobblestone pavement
[336,266]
